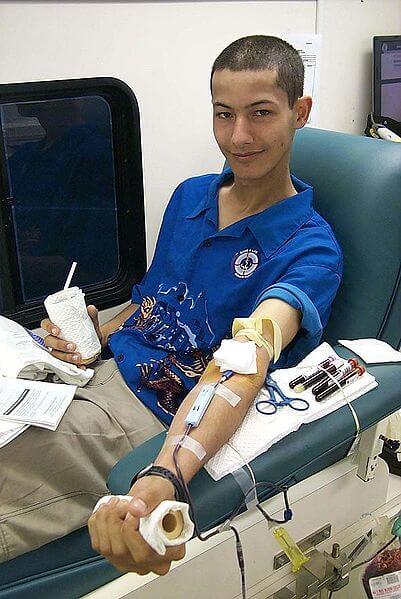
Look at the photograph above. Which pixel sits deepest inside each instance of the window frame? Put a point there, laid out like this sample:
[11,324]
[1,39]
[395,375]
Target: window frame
[128,173]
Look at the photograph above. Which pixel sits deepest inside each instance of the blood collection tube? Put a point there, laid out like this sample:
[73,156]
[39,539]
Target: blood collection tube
[318,376]
[345,369]
[346,380]
[302,378]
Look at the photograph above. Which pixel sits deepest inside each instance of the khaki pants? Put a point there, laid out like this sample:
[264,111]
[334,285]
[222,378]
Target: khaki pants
[51,480]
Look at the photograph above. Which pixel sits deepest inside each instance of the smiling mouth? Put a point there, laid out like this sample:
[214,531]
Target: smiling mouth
[247,154]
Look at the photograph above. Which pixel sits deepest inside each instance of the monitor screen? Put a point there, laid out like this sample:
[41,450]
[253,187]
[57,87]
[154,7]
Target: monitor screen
[387,76]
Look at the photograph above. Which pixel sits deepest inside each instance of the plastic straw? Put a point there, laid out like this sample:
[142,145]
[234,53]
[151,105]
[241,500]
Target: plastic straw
[70,275]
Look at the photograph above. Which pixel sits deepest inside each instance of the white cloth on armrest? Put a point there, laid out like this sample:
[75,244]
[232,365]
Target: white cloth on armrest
[258,432]
[372,351]
[22,357]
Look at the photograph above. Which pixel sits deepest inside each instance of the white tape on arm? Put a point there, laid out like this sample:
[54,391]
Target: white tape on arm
[232,398]
[189,443]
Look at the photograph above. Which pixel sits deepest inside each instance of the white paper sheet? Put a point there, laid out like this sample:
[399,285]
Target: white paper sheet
[372,351]
[9,431]
[34,402]
[21,356]
[309,48]
[258,432]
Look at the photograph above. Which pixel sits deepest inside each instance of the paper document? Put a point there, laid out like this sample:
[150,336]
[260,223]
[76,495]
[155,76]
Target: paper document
[23,355]
[33,402]
[10,430]
[309,48]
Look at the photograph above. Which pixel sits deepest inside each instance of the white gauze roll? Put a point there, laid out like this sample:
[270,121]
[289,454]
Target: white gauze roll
[168,525]
[67,310]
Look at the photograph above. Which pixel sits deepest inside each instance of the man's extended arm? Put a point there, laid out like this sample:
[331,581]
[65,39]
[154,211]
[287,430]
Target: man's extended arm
[114,527]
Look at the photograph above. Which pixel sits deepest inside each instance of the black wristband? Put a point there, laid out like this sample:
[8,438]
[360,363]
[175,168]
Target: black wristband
[152,470]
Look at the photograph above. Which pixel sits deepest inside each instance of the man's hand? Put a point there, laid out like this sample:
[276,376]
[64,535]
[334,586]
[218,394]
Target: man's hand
[114,527]
[65,350]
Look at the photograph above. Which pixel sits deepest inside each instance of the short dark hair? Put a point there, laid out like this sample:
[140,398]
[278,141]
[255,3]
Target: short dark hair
[260,52]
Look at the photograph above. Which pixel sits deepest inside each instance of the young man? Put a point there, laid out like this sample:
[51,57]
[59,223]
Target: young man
[243,243]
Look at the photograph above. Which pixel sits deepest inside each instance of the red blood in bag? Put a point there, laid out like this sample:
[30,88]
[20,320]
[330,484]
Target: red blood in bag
[386,562]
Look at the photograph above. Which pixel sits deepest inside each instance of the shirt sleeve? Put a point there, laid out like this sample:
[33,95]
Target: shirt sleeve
[310,289]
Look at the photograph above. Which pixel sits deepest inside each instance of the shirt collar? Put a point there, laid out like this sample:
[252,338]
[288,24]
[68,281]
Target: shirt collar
[275,225]
[210,201]
[271,227]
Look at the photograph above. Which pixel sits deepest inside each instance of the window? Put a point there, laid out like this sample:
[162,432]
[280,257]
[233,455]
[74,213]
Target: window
[71,191]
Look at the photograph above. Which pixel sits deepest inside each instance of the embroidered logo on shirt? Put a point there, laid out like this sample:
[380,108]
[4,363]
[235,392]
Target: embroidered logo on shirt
[245,263]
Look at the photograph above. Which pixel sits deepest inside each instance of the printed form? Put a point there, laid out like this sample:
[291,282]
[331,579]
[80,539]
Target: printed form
[24,403]
[309,48]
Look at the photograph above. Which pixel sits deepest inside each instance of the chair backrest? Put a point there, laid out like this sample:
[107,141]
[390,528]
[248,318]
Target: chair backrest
[357,183]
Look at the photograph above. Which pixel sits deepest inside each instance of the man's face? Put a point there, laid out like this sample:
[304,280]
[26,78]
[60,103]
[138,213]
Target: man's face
[252,122]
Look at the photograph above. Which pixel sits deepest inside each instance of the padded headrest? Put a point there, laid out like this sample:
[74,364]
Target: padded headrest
[357,183]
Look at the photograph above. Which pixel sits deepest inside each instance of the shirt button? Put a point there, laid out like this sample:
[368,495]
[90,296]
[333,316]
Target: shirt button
[207,243]
[120,358]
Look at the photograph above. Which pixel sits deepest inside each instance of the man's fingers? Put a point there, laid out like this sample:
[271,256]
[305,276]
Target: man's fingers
[100,527]
[173,554]
[106,538]
[94,315]
[176,553]
[94,536]
[63,350]
[105,522]
[48,326]
[161,569]
[119,549]
[141,552]
[60,344]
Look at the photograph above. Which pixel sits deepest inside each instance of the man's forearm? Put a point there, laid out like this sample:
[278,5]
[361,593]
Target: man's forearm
[221,420]
[112,325]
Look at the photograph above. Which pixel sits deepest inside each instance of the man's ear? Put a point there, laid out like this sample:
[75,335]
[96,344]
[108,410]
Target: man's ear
[303,106]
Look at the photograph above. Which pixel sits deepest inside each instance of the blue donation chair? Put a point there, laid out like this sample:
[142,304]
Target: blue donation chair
[357,186]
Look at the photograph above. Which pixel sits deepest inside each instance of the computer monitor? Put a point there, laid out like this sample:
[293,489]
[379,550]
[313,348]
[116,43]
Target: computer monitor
[387,76]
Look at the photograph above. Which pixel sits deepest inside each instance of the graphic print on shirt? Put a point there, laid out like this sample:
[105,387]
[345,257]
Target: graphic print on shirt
[245,263]
[178,323]
[159,376]
[178,329]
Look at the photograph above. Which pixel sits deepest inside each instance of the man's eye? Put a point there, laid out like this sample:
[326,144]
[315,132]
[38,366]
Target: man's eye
[223,115]
[262,112]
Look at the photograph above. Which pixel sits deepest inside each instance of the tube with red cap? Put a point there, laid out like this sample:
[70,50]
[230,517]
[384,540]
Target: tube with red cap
[346,380]
[350,365]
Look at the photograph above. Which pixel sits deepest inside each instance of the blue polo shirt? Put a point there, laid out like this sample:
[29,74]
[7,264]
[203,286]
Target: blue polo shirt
[201,278]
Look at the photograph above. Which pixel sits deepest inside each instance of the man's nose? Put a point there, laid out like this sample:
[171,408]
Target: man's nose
[241,133]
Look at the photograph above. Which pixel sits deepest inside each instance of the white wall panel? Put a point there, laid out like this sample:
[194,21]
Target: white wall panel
[347,28]
[164,51]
